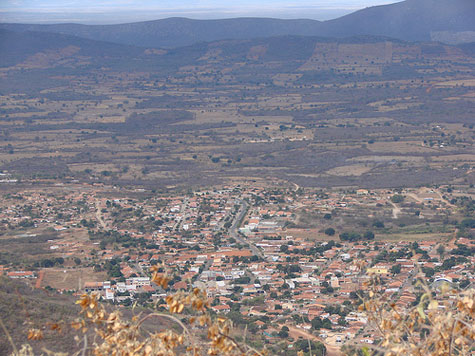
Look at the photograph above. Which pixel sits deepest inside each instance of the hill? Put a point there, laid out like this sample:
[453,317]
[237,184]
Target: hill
[179,32]
[22,308]
[406,20]
[17,47]
[41,50]
[412,20]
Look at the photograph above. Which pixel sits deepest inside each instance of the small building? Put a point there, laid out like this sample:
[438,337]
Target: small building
[21,274]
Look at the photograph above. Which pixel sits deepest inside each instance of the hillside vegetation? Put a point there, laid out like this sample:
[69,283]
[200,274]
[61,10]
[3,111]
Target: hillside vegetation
[23,308]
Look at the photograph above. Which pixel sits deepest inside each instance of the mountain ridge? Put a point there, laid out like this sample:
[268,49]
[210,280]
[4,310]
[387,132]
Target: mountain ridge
[48,50]
[410,20]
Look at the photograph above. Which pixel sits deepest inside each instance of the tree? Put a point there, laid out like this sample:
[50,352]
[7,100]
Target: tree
[441,250]
[397,198]
[369,235]
[284,332]
[428,271]
[318,349]
[355,236]
[464,283]
[47,263]
[342,322]
[396,269]
[326,324]
[317,323]
[350,236]
[330,231]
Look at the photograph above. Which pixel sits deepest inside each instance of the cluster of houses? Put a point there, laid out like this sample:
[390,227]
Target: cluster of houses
[292,276]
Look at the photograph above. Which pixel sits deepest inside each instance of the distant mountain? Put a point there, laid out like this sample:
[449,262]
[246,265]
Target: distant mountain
[17,47]
[179,32]
[43,50]
[413,20]
[407,20]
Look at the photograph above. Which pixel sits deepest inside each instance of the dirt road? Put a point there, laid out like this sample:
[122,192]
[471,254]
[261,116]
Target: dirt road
[296,333]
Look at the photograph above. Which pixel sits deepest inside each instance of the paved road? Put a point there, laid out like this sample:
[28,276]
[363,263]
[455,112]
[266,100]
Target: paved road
[233,230]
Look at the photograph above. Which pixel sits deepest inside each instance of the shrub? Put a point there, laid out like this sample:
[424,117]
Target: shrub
[397,198]
[116,336]
[438,324]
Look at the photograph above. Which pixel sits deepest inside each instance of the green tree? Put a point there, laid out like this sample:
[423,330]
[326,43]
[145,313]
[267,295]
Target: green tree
[318,349]
[284,332]
[397,198]
[396,269]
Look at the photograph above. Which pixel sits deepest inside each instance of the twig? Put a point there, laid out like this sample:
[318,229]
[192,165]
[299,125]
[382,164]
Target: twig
[245,334]
[308,339]
[239,346]
[179,322]
[373,347]
[176,320]
[15,350]
[85,346]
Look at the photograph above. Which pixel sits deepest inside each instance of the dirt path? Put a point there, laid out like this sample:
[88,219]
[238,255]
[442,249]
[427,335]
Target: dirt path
[39,280]
[396,210]
[420,200]
[296,333]
[99,215]
[415,197]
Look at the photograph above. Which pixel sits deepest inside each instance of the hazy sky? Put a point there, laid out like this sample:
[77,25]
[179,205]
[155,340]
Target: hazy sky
[116,11]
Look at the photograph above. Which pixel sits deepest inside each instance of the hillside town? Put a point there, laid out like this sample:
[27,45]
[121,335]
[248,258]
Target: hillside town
[286,263]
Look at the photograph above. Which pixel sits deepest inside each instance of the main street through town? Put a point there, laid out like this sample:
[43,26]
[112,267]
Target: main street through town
[234,230]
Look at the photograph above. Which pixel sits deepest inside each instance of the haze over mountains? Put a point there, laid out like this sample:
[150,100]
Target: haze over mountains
[448,21]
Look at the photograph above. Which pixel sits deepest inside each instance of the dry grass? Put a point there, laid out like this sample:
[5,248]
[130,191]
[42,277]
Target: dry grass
[350,170]
[413,237]
[66,279]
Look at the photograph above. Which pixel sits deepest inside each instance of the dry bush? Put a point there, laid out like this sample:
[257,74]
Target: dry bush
[441,323]
[114,335]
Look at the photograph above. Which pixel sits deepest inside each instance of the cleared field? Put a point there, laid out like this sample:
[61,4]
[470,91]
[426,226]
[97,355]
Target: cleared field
[413,237]
[400,147]
[453,83]
[456,158]
[379,159]
[351,170]
[66,279]
[309,234]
